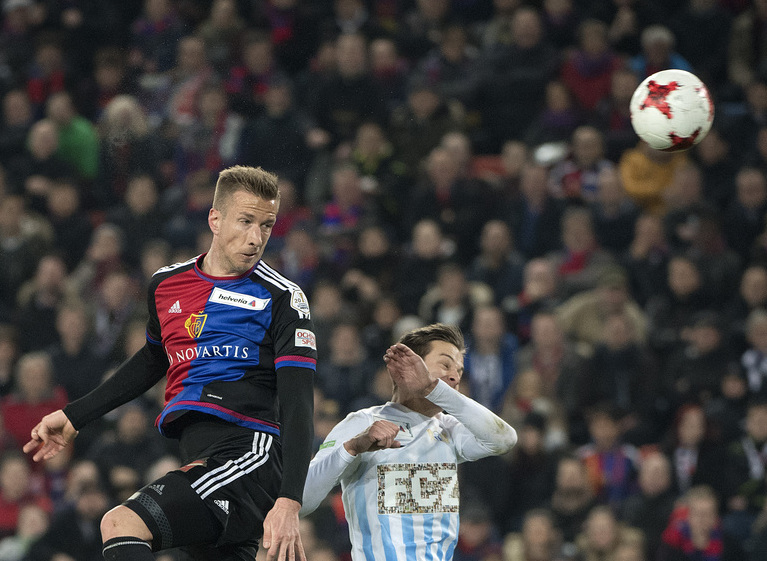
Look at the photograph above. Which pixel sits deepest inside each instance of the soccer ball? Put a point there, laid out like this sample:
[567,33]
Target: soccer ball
[672,110]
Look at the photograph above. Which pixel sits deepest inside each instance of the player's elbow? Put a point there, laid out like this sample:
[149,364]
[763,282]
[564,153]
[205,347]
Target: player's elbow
[507,439]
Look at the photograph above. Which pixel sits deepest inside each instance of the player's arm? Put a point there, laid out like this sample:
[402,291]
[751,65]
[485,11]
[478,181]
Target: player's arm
[295,361]
[135,376]
[341,453]
[481,432]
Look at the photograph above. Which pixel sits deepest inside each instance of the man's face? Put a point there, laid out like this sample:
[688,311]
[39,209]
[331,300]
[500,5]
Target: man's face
[241,229]
[445,362]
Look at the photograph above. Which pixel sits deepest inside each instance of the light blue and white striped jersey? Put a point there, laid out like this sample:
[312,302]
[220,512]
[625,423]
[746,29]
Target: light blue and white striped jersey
[402,503]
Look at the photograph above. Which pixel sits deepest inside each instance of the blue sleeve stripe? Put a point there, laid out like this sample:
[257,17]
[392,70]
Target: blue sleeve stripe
[284,363]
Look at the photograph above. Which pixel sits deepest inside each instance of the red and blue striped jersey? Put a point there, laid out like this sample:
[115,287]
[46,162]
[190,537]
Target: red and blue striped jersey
[226,339]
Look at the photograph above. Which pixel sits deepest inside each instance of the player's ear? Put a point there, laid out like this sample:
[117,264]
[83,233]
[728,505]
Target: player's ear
[214,220]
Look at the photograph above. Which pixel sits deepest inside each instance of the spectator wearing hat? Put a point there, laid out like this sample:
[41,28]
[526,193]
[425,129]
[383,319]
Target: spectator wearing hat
[583,316]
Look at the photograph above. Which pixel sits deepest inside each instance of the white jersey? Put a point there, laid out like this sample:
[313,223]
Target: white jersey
[402,503]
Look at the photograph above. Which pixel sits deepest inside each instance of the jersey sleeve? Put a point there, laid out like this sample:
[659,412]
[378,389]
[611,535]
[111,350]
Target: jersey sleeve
[476,431]
[332,462]
[295,361]
[295,344]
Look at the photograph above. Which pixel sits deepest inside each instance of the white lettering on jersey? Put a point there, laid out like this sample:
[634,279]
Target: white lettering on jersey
[305,338]
[238,300]
[417,488]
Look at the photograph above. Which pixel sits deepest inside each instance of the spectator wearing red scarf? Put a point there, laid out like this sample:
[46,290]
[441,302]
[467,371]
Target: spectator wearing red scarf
[695,532]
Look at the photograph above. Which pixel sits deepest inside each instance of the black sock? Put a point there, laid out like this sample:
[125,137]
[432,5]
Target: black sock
[127,548]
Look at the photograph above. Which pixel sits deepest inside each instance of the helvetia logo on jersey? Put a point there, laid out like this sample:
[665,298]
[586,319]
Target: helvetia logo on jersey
[194,324]
[305,338]
[245,301]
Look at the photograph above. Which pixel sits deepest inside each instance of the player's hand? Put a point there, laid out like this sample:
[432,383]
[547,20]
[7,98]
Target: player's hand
[282,539]
[378,436]
[408,370]
[50,436]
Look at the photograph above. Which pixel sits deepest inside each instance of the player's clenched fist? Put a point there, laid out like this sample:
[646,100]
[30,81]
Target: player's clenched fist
[379,435]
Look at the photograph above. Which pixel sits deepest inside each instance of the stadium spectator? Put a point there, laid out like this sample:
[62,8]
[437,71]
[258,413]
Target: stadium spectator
[453,299]
[35,393]
[615,214]
[76,367]
[692,373]
[535,215]
[581,262]
[572,498]
[17,490]
[349,97]
[695,530]
[490,361]
[588,70]
[78,144]
[17,118]
[154,36]
[557,120]
[277,138]
[538,540]
[585,315]
[37,302]
[498,264]
[658,52]
[71,224]
[611,464]
[603,534]
[696,459]
[650,509]
[744,218]
[127,149]
[511,88]
[222,32]
[347,372]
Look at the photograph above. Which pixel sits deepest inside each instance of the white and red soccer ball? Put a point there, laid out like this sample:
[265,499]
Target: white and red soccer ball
[672,110]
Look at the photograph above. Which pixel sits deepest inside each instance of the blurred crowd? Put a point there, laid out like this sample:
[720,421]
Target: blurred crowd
[462,161]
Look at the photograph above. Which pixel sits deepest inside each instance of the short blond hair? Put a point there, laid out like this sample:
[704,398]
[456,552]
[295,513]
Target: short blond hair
[255,181]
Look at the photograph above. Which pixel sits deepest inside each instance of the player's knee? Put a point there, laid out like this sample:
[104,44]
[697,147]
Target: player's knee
[122,521]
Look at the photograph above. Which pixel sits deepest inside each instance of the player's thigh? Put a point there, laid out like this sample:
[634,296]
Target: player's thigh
[175,515]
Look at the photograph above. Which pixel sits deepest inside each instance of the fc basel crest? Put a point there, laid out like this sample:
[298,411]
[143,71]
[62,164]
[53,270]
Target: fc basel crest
[194,324]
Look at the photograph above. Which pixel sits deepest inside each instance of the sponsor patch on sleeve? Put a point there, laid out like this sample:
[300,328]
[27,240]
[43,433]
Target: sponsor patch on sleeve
[305,338]
[300,304]
[328,444]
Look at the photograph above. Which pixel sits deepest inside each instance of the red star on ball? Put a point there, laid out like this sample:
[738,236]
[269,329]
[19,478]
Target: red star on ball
[682,142]
[656,96]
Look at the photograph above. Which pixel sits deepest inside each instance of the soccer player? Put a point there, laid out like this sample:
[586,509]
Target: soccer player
[234,338]
[397,462]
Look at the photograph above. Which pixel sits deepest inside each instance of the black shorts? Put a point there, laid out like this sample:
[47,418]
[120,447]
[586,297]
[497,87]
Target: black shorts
[214,506]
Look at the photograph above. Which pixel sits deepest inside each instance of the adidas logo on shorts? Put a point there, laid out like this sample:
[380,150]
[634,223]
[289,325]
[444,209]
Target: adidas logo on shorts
[157,488]
[175,308]
[223,505]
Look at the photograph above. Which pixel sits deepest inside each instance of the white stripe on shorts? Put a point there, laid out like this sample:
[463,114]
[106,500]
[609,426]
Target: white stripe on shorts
[234,469]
